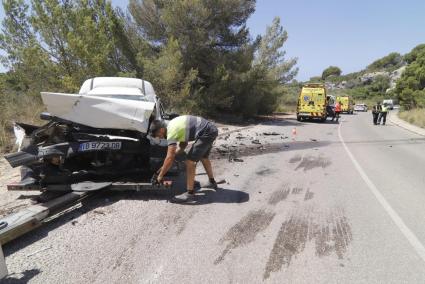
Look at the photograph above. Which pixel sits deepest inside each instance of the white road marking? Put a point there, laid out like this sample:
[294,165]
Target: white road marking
[410,236]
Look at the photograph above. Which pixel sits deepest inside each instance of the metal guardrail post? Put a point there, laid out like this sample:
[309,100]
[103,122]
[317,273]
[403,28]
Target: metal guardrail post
[3,267]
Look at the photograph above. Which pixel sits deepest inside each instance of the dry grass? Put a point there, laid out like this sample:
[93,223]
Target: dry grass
[415,116]
[286,108]
[16,108]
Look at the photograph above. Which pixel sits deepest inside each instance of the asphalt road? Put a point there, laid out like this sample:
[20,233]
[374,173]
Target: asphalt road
[335,203]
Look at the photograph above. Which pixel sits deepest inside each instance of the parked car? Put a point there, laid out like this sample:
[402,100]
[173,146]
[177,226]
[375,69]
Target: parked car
[360,107]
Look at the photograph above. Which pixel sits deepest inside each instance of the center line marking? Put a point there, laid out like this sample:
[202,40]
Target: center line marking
[410,236]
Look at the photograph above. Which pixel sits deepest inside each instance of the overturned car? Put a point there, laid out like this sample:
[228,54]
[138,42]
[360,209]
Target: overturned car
[97,135]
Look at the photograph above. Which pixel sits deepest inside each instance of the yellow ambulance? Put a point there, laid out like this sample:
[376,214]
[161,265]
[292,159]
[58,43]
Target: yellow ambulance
[312,102]
[347,104]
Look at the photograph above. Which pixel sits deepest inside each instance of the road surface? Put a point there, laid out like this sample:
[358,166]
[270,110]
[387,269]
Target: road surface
[335,203]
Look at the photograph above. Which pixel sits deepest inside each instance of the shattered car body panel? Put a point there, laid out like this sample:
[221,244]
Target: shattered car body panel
[100,112]
[99,135]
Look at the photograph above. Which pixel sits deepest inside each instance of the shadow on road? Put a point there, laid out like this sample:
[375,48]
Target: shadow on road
[20,278]
[222,195]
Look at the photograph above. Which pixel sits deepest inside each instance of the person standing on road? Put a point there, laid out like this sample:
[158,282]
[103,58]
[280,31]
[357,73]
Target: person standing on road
[179,132]
[329,109]
[337,111]
[383,114]
[376,109]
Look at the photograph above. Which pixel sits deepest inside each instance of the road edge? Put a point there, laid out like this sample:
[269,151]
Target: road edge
[393,117]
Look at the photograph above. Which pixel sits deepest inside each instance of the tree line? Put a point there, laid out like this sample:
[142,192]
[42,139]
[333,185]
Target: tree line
[199,54]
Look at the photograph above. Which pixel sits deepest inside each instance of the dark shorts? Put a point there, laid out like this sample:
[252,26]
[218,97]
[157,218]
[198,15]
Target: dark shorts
[203,144]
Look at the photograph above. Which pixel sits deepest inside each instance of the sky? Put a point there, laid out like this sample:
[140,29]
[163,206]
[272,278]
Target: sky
[349,34]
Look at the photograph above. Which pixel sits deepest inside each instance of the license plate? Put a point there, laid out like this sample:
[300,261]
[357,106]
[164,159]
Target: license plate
[304,113]
[98,146]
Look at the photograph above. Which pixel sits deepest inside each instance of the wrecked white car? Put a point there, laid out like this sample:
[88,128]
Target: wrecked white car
[98,135]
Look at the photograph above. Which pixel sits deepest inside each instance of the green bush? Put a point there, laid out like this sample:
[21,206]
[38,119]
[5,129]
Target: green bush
[331,71]
[390,62]
[410,88]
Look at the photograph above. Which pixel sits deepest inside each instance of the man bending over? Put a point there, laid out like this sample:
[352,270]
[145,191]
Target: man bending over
[179,132]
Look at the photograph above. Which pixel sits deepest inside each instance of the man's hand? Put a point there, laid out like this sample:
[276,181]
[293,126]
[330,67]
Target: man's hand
[168,162]
[156,180]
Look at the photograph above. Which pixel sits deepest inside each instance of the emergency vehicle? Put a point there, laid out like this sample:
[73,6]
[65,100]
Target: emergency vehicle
[312,102]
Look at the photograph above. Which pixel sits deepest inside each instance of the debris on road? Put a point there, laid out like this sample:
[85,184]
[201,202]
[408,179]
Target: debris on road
[271,133]
[100,212]
[256,141]
[38,251]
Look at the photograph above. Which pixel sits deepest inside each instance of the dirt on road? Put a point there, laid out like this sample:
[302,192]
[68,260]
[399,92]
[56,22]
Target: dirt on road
[293,209]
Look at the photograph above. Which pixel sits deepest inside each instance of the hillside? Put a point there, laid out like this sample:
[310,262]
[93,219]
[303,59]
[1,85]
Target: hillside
[376,81]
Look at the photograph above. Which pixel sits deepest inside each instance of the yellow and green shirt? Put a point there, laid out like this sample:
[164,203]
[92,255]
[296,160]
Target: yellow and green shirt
[185,128]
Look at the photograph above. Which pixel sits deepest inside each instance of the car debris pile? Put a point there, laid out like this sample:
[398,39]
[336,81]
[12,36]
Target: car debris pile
[233,146]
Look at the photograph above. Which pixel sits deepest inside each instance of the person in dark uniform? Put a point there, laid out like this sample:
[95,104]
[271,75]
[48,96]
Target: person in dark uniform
[179,132]
[376,109]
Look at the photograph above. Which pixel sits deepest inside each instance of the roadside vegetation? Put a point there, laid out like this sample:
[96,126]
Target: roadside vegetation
[414,116]
[411,86]
[199,55]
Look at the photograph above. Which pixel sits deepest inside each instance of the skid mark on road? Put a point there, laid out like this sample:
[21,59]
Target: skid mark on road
[334,235]
[330,234]
[297,190]
[310,162]
[283,194]
[265,171]
[279,195]
[295,159]
[245,231]
[308,195]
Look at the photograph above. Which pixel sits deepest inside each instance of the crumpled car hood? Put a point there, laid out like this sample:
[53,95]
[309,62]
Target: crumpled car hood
[100,112]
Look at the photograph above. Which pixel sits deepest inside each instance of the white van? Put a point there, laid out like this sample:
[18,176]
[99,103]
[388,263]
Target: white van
[389,103]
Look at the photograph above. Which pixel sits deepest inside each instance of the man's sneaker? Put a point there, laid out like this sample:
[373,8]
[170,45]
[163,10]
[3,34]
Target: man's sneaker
[209,184]
[184,197]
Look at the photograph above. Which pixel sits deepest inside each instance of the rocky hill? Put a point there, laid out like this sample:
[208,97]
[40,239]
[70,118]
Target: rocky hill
[367,78]
[375,82]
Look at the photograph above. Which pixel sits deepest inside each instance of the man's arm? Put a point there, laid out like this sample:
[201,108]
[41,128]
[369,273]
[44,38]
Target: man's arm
[168,162]
[181,148]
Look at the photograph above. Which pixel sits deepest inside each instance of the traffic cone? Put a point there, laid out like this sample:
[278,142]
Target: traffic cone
[294,133]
